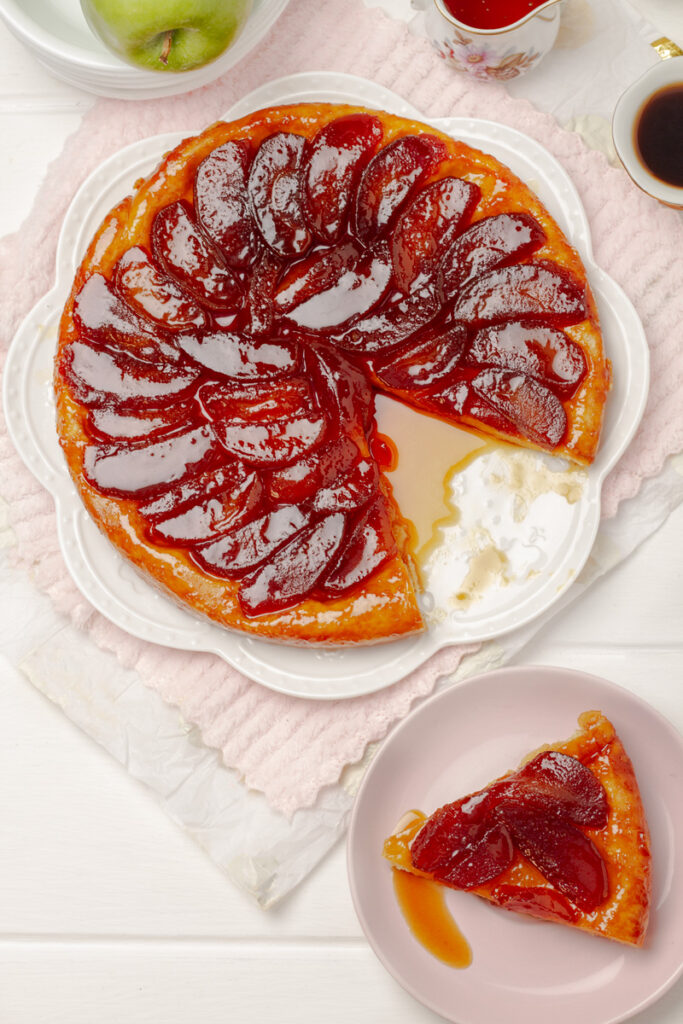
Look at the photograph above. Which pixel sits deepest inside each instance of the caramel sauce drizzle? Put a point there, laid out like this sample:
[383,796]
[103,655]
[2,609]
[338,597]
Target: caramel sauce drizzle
[427,452]
[423,902]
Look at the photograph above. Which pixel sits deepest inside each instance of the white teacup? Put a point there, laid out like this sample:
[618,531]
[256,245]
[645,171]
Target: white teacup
[493,54]
[625,121]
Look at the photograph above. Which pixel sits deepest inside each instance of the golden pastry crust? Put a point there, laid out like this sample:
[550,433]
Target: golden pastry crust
[624,842]
[386,606]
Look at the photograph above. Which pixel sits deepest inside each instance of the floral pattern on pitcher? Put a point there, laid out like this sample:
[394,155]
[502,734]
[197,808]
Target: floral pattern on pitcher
[480,61]
[491,54]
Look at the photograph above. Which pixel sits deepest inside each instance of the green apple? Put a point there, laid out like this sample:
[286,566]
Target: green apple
[167,35]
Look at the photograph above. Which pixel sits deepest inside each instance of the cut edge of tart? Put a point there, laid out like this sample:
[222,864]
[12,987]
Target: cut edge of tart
[622,842]
[567,355]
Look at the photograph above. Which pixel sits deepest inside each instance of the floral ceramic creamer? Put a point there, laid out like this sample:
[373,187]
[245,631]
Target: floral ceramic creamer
[494,54]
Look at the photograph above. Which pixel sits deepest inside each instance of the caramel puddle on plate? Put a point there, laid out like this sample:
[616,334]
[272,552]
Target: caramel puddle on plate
[423,902]
[427,453]
[529,481]
[488,565]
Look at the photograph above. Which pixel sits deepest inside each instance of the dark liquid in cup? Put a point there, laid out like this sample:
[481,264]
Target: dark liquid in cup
[658,134]
[491,14]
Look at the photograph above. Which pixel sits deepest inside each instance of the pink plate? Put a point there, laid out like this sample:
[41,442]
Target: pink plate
[522,970]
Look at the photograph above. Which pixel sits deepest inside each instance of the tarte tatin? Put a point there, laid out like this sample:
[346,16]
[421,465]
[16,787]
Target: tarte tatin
[564,838]
[233,319]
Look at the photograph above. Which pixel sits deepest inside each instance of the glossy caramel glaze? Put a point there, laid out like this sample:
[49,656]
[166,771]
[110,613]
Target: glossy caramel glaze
[424,907]
[224,331]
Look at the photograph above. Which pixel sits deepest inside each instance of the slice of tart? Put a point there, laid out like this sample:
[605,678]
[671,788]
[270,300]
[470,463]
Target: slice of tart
[233,319]
[563,838]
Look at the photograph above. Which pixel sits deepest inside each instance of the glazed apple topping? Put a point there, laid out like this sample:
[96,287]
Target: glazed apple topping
[336,158]
[191,259]
[221,476]
[238,356]
[533,291]
[105,319]
[113,379]
[260,303]
[336,286]
[295,568]
[137,470]
[538,811]
[388,180]
[245,549]
[543,352]
[114,424]
[210,517]
[428,225]
[228,369]
[275,189]
[490,243]
[432,357]
[367,548]
[143,284]
[222,203]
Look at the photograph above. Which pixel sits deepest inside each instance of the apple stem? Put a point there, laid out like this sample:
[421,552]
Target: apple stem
[166,48]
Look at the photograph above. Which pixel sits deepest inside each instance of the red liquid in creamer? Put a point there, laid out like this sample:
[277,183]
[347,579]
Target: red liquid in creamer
[491,14]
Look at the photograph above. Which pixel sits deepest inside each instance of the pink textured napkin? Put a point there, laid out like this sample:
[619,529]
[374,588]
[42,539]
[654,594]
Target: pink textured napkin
[286,747]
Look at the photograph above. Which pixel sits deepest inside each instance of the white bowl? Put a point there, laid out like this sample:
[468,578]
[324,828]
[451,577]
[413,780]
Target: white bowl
[626,115]
[58,36]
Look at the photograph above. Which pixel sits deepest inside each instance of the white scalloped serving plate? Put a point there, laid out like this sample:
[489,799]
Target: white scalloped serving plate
[544,549]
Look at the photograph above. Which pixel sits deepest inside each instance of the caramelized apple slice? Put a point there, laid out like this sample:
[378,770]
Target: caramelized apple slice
[428,225]
[273,443]
[453,398]
[565,856]
[221,200]
[235,355]
[397,321]
[105,319]
[265,275]
[490,243]
[541,291]
[389,179]
[536,900]
[353,490]
[275,190]
[187,255]
[135,471]
[257,402]
[341,384]
[211,517]
[555,783]
[370,545]
[144,285]
[335,286]
[321,468]
[335,159]
[543,352]
[102,378]
[203,484]
[295,569]
[462,845]
[427,362]
[110,424]
[535,411]
[252,544]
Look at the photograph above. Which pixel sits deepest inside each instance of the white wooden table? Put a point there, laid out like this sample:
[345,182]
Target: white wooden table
[108,912]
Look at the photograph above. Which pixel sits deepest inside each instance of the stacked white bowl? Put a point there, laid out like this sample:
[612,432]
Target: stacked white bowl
[57,34]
